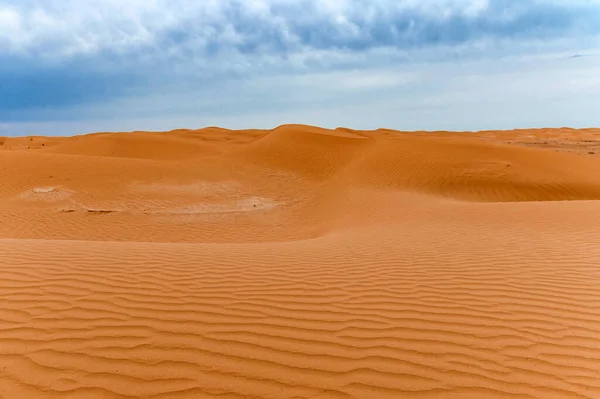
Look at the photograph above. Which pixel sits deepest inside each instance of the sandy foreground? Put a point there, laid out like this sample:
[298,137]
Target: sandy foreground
[301,263]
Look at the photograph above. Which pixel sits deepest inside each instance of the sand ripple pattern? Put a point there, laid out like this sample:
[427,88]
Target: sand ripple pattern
[335,317]
[300,263]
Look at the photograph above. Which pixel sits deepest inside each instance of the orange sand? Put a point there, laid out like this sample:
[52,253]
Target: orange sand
[301,263]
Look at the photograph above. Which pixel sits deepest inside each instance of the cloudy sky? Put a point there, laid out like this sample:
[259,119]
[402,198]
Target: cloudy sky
[73,66]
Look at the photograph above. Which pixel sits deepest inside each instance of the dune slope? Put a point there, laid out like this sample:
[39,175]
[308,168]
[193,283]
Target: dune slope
[299,263]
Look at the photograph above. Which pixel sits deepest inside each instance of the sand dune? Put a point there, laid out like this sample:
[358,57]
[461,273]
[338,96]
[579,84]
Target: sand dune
[300,263]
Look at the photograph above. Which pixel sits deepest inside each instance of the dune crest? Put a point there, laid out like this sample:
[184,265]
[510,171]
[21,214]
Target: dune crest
[301,262]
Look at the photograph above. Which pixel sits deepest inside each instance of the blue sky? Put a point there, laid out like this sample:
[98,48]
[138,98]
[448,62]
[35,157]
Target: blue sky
[69,67]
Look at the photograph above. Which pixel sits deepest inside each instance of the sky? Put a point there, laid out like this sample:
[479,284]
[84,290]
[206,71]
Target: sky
[70,67]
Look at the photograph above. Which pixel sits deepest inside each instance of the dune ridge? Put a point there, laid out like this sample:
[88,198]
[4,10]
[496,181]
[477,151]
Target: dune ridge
[300,262]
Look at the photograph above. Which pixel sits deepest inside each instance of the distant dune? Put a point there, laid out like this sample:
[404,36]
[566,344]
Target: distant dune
[301,262]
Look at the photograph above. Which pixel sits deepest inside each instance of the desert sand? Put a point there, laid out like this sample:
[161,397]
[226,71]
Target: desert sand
[301,262]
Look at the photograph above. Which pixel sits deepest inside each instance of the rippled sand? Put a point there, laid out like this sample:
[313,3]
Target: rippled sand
[301,263]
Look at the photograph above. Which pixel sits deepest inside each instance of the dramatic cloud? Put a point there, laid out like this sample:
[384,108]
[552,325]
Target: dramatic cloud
[63,60]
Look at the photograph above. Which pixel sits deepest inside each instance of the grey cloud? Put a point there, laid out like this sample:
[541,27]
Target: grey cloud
[167,29]
[129,60]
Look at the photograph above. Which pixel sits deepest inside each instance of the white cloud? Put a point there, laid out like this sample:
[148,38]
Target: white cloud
[55,29]
[367,62]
